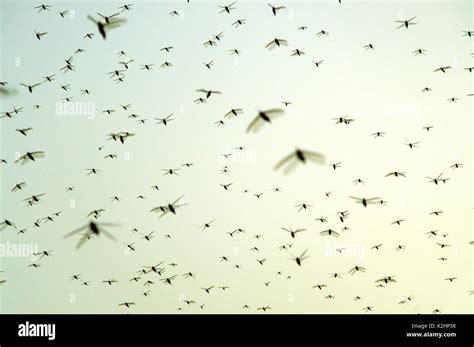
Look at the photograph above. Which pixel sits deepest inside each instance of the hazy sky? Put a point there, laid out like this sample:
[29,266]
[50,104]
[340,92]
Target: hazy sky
[380,89]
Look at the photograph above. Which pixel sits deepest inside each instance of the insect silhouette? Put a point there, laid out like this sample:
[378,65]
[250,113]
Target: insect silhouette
[299,156]
[299,259]
[91,229]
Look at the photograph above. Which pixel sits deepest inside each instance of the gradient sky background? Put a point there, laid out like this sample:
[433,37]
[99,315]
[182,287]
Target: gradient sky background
[380,89]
